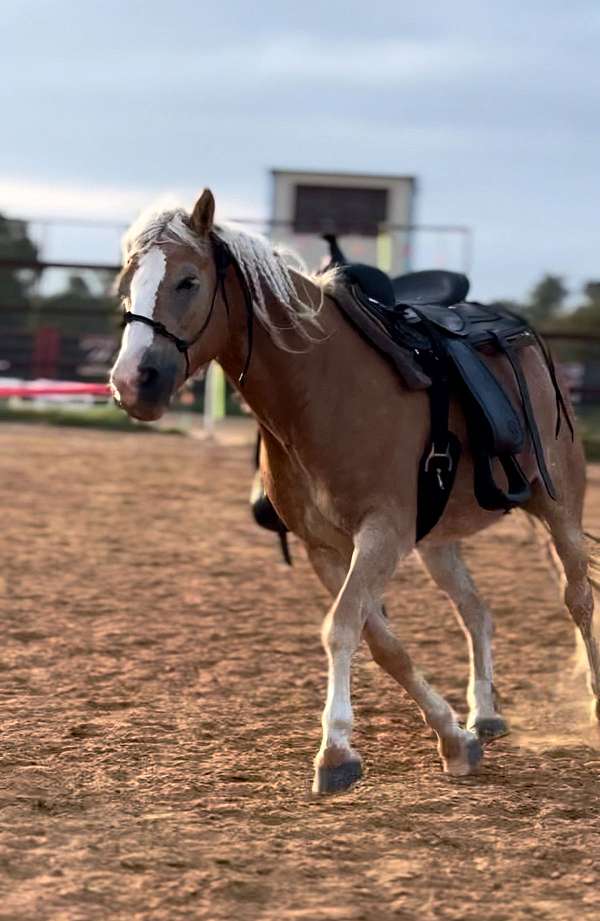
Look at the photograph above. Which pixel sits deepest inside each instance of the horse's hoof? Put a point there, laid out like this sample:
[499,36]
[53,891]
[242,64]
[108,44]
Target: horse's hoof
[336,779]
[465,756]
[488,728]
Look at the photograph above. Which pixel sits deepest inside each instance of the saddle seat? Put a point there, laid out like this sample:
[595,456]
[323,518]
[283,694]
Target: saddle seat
[434,286]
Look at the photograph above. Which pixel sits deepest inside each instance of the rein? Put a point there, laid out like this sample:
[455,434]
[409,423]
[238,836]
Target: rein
[223,259]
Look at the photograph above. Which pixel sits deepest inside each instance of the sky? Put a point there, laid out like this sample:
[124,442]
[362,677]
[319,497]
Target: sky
[494,107]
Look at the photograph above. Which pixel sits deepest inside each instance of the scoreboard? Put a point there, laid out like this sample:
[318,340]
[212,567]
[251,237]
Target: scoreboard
[371,214]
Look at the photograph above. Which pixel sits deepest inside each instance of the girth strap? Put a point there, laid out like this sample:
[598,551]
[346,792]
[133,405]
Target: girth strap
[439,463]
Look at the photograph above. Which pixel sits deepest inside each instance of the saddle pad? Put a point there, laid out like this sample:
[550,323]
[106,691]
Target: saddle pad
[365,316]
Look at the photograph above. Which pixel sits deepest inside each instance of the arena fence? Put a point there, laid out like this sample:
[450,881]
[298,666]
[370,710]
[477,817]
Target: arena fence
[66,331]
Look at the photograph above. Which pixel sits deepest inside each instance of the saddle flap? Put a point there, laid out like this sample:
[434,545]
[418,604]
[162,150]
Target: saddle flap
[364,315]
[503,431]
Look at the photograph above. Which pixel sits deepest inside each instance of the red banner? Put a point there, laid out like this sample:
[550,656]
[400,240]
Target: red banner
[52,389]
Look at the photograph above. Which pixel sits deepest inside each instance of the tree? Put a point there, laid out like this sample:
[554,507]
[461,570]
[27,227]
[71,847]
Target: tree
[77,309]
[592,292]
[586,317]
[546,300]
[15,245]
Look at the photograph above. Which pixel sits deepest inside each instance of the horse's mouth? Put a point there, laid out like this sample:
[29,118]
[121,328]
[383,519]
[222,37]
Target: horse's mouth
[142,411]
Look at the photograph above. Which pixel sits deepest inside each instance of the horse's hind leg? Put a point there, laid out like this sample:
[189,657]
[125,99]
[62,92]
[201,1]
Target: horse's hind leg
[563,522]
[459,748]
[448,569]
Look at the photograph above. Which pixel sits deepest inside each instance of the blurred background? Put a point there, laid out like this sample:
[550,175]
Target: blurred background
[461,136]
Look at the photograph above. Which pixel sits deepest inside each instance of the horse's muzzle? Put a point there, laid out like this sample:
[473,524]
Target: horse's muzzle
[146,394]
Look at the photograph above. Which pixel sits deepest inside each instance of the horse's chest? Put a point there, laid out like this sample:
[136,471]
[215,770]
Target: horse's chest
[305,503]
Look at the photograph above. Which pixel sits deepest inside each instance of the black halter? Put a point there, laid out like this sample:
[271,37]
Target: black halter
[223,259]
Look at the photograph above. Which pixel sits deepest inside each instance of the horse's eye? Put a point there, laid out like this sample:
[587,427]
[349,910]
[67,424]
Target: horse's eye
[186,284]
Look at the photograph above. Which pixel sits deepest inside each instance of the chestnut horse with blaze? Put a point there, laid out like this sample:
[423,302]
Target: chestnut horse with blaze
[342,440]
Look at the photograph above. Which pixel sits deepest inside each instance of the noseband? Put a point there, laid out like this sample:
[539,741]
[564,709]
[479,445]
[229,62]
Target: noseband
[223,259]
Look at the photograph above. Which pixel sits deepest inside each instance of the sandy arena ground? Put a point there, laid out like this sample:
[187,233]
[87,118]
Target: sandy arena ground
[162,682]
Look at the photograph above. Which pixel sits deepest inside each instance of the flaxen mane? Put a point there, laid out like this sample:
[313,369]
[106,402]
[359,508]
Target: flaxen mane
[279,273]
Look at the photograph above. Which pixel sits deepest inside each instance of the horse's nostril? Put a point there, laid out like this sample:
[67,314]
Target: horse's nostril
[148,376]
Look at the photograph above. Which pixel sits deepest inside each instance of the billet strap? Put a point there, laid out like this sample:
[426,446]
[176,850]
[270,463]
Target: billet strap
[561,406]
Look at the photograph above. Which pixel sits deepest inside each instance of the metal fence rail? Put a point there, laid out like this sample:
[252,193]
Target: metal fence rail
[77,341]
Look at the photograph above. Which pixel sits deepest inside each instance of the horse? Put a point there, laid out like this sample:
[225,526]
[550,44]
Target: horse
[341,440]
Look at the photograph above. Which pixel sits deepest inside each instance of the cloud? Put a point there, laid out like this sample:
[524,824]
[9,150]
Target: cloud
[492,106]
[30,198]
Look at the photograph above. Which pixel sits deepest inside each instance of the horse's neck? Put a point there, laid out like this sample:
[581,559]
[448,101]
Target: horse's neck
[281,386]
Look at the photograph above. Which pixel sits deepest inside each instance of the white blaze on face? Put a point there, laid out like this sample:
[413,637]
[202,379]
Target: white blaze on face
[137,337]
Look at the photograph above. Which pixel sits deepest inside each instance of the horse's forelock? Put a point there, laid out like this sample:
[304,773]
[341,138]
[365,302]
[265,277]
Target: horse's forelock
[265,270]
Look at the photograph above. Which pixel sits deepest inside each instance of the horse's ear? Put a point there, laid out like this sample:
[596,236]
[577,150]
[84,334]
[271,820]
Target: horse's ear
[203,214]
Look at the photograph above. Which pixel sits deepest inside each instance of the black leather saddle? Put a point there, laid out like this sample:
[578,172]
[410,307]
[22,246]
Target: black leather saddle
[426,315]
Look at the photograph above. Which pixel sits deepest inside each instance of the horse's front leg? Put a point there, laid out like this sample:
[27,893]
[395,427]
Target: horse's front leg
[376,552]
[459,748]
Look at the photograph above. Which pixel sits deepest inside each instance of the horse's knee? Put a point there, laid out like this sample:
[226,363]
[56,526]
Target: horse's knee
[340,638]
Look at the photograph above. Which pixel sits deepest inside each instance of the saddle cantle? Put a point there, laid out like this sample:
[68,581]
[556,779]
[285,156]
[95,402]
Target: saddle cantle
[440,344]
